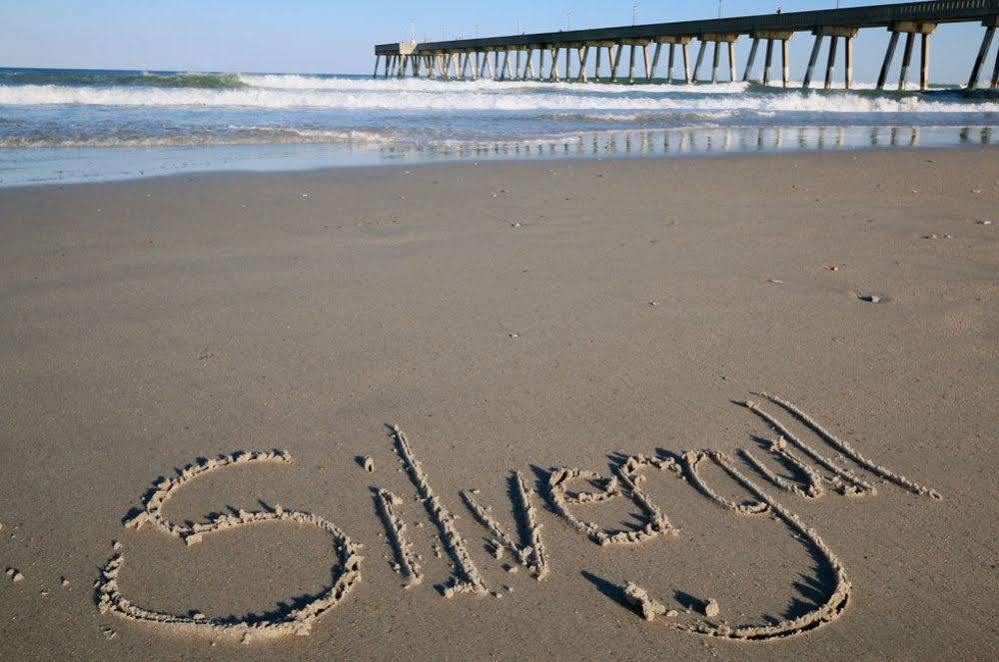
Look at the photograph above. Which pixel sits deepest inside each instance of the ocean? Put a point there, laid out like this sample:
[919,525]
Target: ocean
[67,126]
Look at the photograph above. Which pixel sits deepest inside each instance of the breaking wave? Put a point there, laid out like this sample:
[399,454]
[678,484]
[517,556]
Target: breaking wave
[496,97]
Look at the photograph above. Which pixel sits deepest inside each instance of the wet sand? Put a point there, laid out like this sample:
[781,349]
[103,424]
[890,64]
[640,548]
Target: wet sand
[506,317]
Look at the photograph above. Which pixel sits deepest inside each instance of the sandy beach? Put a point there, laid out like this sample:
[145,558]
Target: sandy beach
[522,317]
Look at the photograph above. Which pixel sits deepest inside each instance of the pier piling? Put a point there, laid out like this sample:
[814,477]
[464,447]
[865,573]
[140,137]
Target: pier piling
[903,77]
[812,60]
[889,56]
[983,52]
[752,59]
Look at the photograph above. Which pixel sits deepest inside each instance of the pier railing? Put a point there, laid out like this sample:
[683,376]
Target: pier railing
[475,58]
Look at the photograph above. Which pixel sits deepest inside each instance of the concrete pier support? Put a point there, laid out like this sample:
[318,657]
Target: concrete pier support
[831,63]
[784,36]
[812,59]
[618,50]
[731,61]
[889,56]
[911,29]
[768,62]
[631,64]
[752,59]
[983,51]
[688,78]
[848,63]
[924,62]
[648,64]
[715,61]
[554,73]
[378,59]
[673,42]
[584,55]
[717,39]
[903,78]
[700,60]
[655,61]
[785,60]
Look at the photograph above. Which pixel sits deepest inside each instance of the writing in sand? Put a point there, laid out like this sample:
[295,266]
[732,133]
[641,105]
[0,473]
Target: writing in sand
[810,473]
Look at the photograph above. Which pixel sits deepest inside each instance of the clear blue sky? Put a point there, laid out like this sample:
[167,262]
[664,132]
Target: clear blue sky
[336,36]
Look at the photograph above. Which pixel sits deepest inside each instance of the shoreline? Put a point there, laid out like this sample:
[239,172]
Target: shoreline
[470,161]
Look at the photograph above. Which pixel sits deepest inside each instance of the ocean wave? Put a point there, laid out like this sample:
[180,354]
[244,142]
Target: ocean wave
[144,79]
[234,136]
[343,84]
[446,100]
[673,117]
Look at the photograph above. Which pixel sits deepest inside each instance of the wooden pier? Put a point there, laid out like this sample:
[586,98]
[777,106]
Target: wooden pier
[577,55]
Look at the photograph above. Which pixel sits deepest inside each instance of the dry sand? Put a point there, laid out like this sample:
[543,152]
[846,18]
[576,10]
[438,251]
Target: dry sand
[508,317]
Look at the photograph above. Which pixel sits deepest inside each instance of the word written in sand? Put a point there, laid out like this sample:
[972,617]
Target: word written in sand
[814,475]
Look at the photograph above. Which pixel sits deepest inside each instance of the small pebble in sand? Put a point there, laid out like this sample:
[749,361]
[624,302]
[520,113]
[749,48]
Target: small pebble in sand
[654,303]
[16,577]
[64,582]
[870,298]
[672,613]
[711,610]
[369,465]
[985,222]
[931,236]
[774,281]
[516,225]
[305,195]
[44,592]
[832,267]
[514,335]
